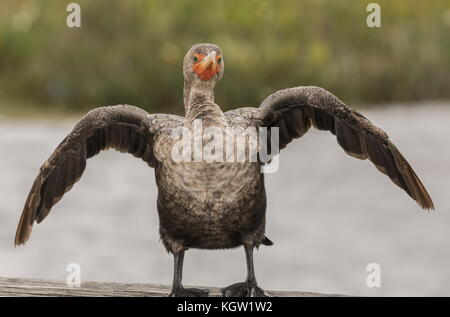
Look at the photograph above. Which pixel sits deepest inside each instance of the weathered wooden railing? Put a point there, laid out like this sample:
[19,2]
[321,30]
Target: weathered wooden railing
[36,287]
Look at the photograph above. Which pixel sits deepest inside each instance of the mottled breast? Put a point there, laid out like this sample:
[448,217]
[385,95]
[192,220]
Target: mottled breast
[204,193]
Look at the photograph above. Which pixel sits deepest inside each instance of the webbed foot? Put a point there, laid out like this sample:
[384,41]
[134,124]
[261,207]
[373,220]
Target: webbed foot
[189,292]
[244,289]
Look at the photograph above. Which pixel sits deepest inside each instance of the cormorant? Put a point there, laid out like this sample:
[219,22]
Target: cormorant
[211,205]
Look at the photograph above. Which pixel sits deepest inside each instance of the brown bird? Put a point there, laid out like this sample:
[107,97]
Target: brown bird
[203,204]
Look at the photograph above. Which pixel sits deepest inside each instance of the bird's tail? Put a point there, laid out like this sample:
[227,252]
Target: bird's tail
[267,241]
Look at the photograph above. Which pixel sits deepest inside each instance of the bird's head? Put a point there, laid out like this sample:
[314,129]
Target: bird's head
[203,64]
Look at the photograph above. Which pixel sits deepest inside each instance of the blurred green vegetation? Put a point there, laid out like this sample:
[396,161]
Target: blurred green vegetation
[131,51]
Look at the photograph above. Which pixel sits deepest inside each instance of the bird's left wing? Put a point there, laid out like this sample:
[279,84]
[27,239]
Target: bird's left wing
[123,128]
[295,110]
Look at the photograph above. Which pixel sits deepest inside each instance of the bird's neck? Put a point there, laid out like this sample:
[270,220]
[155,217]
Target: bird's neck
[199,104]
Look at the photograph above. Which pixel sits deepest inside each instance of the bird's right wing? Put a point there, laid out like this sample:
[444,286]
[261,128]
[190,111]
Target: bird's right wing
[124,128]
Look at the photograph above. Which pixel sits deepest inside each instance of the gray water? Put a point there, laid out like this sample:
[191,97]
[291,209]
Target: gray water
[329,215]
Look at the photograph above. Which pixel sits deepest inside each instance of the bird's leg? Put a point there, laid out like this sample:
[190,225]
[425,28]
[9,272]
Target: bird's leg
[249,288]
[177,288]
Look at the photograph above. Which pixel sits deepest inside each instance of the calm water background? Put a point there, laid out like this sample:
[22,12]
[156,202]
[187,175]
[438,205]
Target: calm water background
[329,215]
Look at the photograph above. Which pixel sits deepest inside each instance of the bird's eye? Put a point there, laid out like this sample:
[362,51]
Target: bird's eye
[219,59]
[195,59]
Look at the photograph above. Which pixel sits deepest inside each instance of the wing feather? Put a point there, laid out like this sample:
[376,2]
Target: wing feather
[294,110]
[123,128]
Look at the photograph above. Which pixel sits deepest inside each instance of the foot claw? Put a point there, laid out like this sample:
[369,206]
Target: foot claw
[243,290]
[189,292]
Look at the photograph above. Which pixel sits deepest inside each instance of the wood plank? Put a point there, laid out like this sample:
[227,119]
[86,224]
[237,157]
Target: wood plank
[37,287]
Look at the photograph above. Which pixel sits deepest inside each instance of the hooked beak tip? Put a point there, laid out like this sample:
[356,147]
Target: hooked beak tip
[210,58]
[208,67]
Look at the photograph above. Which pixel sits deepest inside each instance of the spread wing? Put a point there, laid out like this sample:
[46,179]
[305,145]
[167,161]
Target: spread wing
[295,110]
[124,128]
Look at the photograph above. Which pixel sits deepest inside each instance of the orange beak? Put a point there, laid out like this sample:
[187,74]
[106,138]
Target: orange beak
[207,67]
